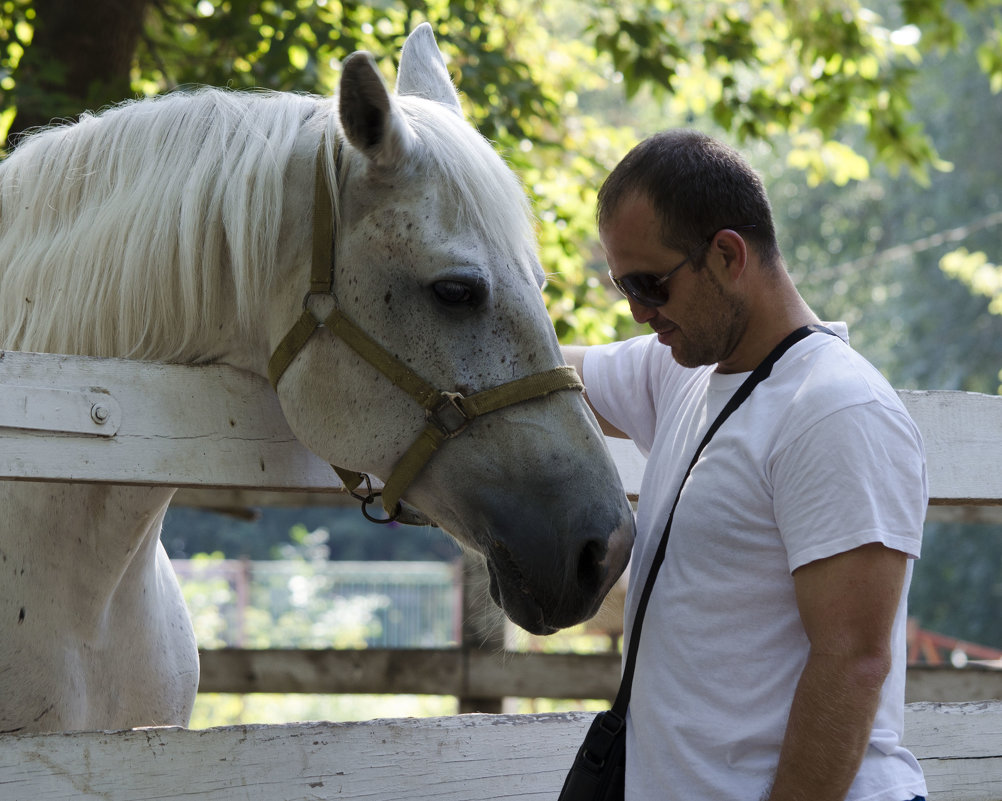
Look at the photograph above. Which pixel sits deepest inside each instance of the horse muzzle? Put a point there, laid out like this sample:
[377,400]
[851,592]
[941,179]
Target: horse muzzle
[545,601]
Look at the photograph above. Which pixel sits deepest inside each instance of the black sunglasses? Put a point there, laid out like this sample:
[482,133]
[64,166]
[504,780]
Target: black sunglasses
[651,289]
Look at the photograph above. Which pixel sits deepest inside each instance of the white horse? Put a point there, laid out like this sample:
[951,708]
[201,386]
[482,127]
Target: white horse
[188,229]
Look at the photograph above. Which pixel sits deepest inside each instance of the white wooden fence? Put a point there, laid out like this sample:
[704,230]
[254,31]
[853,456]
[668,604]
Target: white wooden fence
[79,419]
[461,758]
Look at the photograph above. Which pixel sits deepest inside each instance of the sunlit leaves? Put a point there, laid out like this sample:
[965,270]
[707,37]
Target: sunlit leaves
[16,32]
[766,68]
[643,41]
[989,55]
[826,160]
[243,43]
[975,270]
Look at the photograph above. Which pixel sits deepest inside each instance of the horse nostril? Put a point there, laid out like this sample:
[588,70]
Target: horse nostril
[590,569]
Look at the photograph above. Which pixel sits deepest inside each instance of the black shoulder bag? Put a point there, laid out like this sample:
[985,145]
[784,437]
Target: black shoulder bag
[599,768]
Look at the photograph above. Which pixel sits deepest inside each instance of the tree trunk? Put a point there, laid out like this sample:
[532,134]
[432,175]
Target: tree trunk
[79,59]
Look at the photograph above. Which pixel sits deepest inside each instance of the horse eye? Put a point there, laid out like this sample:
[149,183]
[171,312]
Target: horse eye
[454,293]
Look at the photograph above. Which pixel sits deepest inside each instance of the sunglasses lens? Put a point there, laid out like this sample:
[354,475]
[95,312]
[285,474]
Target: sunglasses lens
[644,289]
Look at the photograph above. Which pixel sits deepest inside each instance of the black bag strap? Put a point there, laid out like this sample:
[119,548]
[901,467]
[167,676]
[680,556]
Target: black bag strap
[759,374]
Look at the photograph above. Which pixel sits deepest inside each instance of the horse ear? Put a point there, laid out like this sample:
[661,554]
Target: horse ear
[423,72]
[368,115]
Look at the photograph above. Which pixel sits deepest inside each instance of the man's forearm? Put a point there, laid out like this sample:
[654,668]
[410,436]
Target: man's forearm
[829,727]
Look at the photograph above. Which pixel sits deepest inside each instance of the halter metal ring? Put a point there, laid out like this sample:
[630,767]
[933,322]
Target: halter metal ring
[370,498]
[315,293]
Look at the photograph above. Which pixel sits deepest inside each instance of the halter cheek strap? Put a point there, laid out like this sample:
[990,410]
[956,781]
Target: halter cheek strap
[447,413]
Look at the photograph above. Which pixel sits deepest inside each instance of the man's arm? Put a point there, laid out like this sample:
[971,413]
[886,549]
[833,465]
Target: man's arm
[574,356]
[847,604]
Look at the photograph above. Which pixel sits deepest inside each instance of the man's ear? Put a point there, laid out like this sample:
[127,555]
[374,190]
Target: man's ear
[731,247]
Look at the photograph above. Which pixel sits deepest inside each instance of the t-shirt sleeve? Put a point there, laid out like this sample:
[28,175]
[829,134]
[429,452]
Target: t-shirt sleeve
[620,384]
[857,476]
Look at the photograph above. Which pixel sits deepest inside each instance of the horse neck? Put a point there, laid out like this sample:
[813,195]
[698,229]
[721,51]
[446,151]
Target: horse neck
[81,539]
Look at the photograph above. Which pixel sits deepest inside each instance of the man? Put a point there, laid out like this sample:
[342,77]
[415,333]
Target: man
[772,656]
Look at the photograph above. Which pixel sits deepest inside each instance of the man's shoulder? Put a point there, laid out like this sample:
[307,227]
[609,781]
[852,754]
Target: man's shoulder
[834,383]
[834,376]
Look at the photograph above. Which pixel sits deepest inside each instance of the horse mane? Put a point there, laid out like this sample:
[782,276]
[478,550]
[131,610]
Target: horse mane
[114,231]
[126,233]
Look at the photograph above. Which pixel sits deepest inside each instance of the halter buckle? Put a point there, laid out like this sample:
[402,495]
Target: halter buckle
[448,416]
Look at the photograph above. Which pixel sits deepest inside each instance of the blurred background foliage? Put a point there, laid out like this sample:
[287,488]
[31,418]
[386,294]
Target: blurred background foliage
[874,124]
[869,122]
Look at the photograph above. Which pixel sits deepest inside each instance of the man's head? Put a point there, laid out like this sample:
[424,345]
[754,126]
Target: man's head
[689,237]
[696,186]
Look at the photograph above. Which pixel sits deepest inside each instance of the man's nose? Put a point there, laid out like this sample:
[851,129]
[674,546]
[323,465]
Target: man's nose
[642,314]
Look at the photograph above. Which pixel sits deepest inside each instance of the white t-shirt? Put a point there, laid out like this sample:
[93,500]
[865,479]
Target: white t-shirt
[820,459]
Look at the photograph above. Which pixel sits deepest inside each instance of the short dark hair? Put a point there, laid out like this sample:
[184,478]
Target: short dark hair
[696,185]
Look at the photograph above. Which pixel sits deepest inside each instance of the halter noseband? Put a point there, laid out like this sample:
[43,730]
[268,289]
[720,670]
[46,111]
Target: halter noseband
[448,413]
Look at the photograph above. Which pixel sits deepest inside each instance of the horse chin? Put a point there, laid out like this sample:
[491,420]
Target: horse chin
[519,606]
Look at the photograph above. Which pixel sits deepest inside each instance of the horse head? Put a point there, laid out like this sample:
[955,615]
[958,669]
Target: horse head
[433,260]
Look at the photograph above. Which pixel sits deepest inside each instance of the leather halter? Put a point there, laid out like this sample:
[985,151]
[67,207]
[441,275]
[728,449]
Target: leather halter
[448,413]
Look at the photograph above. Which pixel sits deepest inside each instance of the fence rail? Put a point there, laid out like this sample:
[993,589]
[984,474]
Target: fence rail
[216,426]
[460,758]
[467,672]
[416,646]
